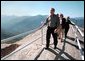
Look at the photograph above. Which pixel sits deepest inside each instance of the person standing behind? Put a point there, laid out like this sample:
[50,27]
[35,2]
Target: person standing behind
[63,24]
[67,25]
[59,28]
[53,22]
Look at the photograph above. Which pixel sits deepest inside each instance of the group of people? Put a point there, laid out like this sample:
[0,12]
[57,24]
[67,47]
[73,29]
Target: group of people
[57,26]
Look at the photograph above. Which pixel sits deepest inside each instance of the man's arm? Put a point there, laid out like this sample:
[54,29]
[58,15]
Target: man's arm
[46,21]
[71,23]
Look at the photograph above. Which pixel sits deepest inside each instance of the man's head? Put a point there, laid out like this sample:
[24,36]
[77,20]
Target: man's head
[68,18]
[52,11]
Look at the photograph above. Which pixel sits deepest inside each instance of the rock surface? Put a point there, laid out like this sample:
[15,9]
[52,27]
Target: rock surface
[32,48]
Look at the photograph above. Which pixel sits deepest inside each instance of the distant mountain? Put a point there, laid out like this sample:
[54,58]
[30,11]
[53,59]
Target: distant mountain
[13,25]
[17,25]
[78,21]
[5,34]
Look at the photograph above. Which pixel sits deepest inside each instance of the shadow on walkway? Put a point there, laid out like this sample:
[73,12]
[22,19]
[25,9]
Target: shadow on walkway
[39,54]
[71,38]
[81,42]
[8,49]
[58,55]
[62,52]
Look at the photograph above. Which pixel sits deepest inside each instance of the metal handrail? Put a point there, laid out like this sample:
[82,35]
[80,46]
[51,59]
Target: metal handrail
[25,45]
[78,29]
[20,35]
[78,43]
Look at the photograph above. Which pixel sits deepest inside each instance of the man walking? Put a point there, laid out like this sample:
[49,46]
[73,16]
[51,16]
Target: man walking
[53,22]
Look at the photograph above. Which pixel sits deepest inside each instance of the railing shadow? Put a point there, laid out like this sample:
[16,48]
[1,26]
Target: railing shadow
[70,38]
[74,45]
[61,51]
[82,42]
[73,39]
[58,55]
[39,54]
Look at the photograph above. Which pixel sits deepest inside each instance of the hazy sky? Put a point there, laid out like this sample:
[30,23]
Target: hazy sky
[24,8]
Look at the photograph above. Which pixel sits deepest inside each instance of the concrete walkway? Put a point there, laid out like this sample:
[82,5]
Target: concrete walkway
[32,48]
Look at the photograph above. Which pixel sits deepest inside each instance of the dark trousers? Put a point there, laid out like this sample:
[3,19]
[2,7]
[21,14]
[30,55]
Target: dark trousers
[66,31]
[49,32]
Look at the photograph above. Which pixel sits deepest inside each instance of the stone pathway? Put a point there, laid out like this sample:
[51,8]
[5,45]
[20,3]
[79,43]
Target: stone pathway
[32,48]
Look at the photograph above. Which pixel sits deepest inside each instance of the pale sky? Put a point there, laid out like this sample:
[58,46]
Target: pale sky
[32,8]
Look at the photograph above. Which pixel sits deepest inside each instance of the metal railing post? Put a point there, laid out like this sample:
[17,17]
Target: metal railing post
[79,31]
[78,43]
[42,33]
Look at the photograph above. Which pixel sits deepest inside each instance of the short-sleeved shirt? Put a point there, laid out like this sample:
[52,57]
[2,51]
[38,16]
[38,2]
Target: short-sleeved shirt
[53,21]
